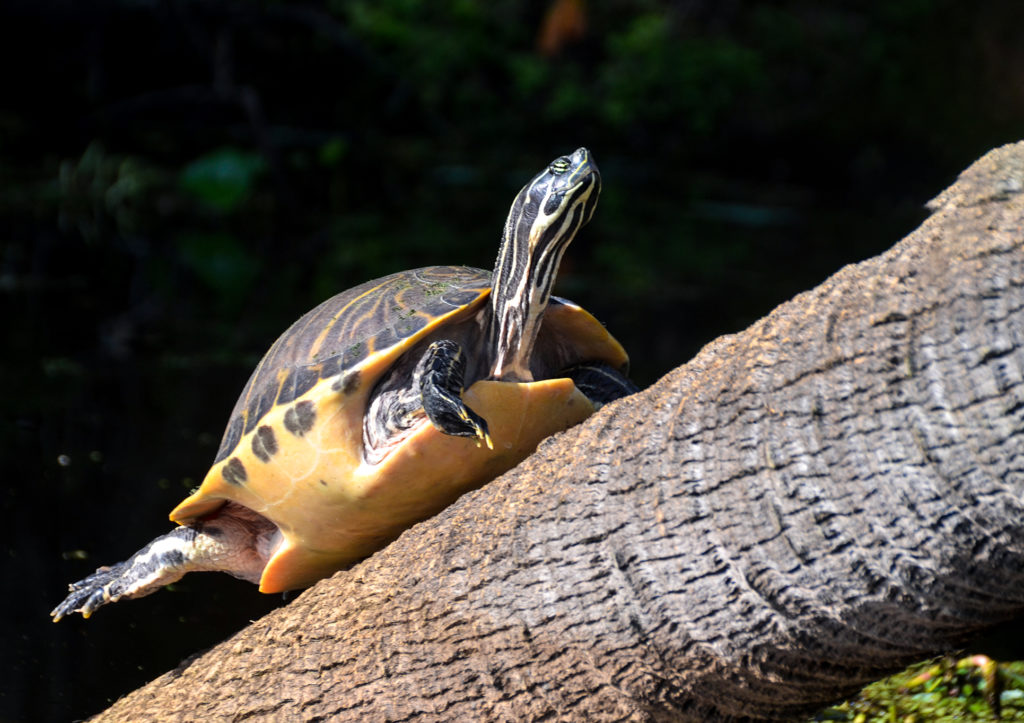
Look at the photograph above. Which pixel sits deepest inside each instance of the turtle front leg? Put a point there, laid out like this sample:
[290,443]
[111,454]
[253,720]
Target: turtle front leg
[236,541]
[600,383]
[441,374]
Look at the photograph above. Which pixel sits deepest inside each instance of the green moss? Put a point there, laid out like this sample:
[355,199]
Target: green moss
[974,688]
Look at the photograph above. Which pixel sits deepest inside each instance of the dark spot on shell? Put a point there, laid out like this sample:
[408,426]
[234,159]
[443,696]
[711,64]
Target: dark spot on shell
[264,443]
[259,407]
[323,482]
[234,472]
[232,436]
[299,419]
[347,383]
[298,382]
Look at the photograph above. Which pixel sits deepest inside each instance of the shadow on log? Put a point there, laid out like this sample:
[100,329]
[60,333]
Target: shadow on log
[803,508]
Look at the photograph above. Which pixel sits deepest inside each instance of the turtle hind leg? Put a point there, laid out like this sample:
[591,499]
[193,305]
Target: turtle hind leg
[441,374]
[155,565]
[232,542]
[600,383]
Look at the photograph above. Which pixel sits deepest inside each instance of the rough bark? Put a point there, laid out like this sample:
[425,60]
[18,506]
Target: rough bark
[802,508]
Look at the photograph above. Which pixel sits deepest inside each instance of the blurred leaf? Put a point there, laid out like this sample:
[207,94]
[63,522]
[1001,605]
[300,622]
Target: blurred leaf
[224,178]
[333,151]
[564,23]
[653,75]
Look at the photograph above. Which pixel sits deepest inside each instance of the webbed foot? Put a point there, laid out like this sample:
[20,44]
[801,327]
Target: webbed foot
[159,563]
[106,585]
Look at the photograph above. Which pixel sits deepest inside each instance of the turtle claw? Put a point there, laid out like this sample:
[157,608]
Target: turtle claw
[471,424]
[93,592]
[483,436]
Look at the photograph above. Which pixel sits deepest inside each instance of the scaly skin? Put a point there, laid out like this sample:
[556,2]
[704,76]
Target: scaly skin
[234,541]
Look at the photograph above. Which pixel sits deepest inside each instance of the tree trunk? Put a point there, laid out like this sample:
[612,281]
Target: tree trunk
[804,507]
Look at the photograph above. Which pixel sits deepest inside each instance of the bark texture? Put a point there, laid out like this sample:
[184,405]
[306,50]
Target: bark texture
[801,509]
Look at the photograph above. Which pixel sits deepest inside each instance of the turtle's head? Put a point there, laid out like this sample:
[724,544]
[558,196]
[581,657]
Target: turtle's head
[544,218]
[551,208]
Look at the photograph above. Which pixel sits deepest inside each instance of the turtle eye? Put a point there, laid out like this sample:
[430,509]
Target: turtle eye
[560,165]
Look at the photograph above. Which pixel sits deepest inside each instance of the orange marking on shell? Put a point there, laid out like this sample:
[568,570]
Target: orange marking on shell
[315,347]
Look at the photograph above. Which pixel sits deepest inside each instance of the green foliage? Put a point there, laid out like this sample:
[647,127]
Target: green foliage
[640,66]
[973,688]
[438,48]
[99,190]
[333,151]
[655,75]
[223,179]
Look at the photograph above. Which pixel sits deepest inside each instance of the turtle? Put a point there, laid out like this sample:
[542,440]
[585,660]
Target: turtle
[385,403]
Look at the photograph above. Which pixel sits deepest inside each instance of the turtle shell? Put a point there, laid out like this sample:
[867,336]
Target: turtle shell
[293,448]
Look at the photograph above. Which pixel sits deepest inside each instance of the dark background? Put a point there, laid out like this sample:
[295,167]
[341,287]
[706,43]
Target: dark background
[179,180]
